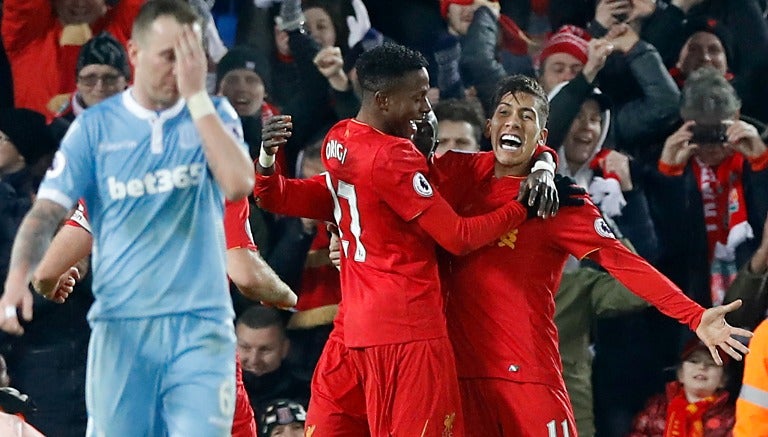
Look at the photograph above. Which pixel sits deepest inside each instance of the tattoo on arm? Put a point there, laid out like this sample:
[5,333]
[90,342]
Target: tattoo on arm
[35,234]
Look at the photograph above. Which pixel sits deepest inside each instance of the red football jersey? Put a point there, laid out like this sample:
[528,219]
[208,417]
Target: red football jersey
[237,229]
[500,298]
[377,191]
[389,276]
[243,422]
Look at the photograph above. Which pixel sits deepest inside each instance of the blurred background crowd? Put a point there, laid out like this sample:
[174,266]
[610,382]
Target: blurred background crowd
[644,95]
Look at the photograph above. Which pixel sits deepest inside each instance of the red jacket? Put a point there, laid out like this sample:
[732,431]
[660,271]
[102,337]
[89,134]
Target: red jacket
[41,67]
[650,422]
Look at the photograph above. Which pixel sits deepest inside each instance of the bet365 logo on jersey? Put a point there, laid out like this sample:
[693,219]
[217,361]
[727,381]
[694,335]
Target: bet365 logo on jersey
[159,181]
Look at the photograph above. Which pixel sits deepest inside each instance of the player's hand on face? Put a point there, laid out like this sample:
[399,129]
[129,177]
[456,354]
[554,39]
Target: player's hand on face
[275,133]
[64,286]
[539,194]
[678,147]
[191,61]
[16,297]
[715,332]
[745,138]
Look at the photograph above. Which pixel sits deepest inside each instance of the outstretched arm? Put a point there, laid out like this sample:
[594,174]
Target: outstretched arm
[645,281]
[32,240]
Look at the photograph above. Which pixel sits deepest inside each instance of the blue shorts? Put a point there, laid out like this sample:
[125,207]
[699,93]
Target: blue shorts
[161,376]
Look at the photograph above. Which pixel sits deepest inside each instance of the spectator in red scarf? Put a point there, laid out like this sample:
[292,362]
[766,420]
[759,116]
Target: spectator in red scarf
[695,405]
[718,154]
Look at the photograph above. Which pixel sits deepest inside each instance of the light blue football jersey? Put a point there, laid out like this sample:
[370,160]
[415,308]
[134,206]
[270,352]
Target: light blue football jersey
[154,207]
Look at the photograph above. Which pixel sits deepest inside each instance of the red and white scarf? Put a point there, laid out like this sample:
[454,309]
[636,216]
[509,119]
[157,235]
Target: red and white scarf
[725,217]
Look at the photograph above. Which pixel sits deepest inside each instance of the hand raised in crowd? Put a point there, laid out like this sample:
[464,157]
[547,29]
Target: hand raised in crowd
[63,287]
[618,163]
[359,24]
[281,41]
[275,133]
[715,332]
[610,12]
[597,52]
[330,63]
[623,37]
[191,61]
[745,139]
[494,6]
[678,147]
[641,9]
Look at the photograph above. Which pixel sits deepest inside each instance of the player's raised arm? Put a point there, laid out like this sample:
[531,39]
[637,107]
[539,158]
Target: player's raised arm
[32,240]
[645,281]
[309,198]
[227,159]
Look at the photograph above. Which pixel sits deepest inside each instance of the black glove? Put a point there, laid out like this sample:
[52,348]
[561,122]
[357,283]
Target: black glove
[13,402]
[570,193]
[425,137]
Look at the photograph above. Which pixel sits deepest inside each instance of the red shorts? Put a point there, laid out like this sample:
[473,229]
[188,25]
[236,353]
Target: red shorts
[498,407]
[337,404]
[411,388]
[243,423]
[393,390]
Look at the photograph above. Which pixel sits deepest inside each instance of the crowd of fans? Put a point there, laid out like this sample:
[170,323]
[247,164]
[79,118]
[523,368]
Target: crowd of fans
[657,109]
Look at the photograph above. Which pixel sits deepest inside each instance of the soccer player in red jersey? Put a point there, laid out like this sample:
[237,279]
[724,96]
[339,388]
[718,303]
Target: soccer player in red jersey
[389,218]
[500,298]
[54,278]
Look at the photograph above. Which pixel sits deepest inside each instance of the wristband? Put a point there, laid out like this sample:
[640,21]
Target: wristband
[200,105]
[265,160]
[543,165]
[670,169]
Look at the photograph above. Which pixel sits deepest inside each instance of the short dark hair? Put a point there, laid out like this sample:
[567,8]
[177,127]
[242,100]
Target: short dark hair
[468,111]
[259,316]
[381,68]
[708,97]
[519,83]
[153,9]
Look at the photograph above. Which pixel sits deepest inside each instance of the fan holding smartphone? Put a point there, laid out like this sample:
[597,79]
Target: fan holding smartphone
[716,149]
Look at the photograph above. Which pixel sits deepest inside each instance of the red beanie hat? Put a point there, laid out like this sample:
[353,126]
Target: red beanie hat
[445,3]
[568,39]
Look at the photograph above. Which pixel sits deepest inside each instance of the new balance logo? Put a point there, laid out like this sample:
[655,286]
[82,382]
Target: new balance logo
[160,181]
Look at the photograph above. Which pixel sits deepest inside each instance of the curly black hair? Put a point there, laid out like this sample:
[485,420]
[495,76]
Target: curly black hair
[381,68]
